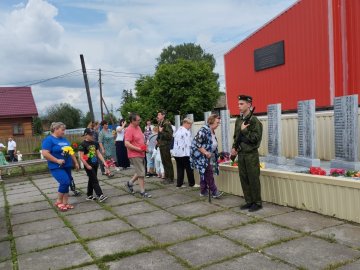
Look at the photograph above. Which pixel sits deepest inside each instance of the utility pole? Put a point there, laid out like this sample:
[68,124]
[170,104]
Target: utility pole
[111,119]
[87,87]
[101,96]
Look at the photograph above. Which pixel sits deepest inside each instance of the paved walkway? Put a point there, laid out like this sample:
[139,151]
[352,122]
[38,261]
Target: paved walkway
[176,229]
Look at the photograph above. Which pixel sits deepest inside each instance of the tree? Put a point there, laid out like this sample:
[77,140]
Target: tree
[37,125]
[65,113]
[85,120]
[111,117]
[184,82]
[186,51]
[186,87]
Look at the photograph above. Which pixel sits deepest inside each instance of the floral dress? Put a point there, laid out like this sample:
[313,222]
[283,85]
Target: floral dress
[2,159]
[197,160]
[108,141]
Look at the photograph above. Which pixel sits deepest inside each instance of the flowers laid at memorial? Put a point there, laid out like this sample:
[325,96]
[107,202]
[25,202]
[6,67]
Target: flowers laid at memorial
[224,157]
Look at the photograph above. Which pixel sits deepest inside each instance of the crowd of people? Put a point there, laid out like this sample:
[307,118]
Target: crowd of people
[150,153]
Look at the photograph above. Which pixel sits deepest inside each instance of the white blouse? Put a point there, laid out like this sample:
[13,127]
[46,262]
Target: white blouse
[120,134]
[182,143]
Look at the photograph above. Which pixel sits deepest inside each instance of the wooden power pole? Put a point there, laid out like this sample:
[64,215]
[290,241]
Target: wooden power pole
[87,87]
[101,97]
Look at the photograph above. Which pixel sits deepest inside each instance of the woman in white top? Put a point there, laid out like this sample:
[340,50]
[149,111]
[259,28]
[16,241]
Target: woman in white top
[181,153]
[121,152]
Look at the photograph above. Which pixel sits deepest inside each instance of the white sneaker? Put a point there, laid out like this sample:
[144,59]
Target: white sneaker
[196,186]
[117,169]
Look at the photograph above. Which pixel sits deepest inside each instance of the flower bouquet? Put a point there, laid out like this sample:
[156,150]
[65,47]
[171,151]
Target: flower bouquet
[67,151]
[337,172]
[224,157]
[143,147]
[109,163]
[317,171]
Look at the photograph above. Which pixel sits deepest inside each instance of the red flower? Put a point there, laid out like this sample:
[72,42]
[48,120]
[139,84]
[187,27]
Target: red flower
[85,157]
[317,171]
[143,147]
[75,145]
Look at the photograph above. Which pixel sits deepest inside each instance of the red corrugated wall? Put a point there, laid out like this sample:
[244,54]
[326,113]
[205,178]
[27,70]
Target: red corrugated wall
[306,72]
[353,38]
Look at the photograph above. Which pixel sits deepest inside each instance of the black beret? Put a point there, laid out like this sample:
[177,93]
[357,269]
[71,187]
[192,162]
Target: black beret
[163,112]
[246,98]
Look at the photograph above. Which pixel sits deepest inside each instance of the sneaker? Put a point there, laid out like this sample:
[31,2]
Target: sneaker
[117,169]
[129,188]
[255,207]
[205,194]
[183,186]
[195,186]
[102,198]
[145,195]
[77,193]
[148,175]
[217,195]
[91,198]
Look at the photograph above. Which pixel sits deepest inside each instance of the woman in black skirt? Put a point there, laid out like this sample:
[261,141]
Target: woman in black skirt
[121,152]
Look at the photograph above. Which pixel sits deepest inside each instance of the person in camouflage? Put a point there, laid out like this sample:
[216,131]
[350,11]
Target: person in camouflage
[247,139]
[165,138]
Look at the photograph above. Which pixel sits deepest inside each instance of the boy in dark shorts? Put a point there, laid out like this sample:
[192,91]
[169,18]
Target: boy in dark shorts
[90,156]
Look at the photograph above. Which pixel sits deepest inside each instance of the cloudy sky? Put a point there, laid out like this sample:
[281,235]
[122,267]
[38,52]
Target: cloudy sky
[41,39]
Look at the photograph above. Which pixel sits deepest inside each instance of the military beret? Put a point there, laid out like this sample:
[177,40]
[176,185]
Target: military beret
[163,112]
[245,98]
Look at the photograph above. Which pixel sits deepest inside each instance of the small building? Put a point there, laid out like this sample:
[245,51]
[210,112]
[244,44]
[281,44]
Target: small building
[17,109]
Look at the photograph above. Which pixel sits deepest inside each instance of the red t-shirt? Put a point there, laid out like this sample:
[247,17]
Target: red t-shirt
[135,136]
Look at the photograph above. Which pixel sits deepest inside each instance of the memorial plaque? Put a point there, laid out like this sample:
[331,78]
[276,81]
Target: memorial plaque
[269,56]
[206,116]
[306,135]
[177,121]
[225,130]
[346,133]
[191,117]
[274,134]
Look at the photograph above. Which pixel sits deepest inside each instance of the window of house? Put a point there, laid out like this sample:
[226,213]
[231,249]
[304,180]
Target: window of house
[18,129]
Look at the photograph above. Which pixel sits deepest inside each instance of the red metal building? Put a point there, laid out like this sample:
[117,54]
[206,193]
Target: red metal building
[320,57]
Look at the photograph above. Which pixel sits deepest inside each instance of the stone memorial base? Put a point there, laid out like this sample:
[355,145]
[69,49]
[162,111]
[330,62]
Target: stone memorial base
[307,162]
[341,164]
[279,160]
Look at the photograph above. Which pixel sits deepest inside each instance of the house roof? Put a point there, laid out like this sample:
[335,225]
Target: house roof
[17,102]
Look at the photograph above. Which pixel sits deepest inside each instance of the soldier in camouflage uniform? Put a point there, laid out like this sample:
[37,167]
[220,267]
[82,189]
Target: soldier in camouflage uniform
[165,137]
[247,139]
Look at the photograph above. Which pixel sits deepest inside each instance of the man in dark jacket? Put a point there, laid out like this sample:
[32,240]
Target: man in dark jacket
[165,137]
[247,139]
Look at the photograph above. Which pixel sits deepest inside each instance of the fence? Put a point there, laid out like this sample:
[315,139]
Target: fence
[32,144]
[324,128]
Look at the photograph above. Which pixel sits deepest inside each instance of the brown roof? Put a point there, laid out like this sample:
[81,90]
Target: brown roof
[17,102]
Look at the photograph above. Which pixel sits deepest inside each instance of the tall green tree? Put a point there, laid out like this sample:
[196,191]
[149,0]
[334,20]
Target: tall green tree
[186,51]
[184,82]
[37,126]
[65,113]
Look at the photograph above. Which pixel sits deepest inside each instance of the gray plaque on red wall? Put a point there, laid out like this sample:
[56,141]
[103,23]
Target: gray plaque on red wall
[346,133]
[274,135]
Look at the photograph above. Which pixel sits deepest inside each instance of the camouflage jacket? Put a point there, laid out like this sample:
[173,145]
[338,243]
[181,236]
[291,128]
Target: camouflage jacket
[166,135]
[250,136]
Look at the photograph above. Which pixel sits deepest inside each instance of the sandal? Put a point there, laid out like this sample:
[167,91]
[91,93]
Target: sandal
[110,175]
[62,207]
[69,206]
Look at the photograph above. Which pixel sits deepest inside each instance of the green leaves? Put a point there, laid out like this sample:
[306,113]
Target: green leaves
[184,82]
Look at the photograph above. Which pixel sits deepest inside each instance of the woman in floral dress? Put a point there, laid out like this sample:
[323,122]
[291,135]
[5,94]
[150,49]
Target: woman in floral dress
[107,142]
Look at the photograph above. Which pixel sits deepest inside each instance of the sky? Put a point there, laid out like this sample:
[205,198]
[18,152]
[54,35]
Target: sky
[42,39]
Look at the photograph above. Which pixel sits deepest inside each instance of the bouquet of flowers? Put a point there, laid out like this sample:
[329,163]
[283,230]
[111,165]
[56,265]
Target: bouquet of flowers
[143,147]
[337,172]
[224,157]
[67,151]
[75,146]
[317,171]
[109,163]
